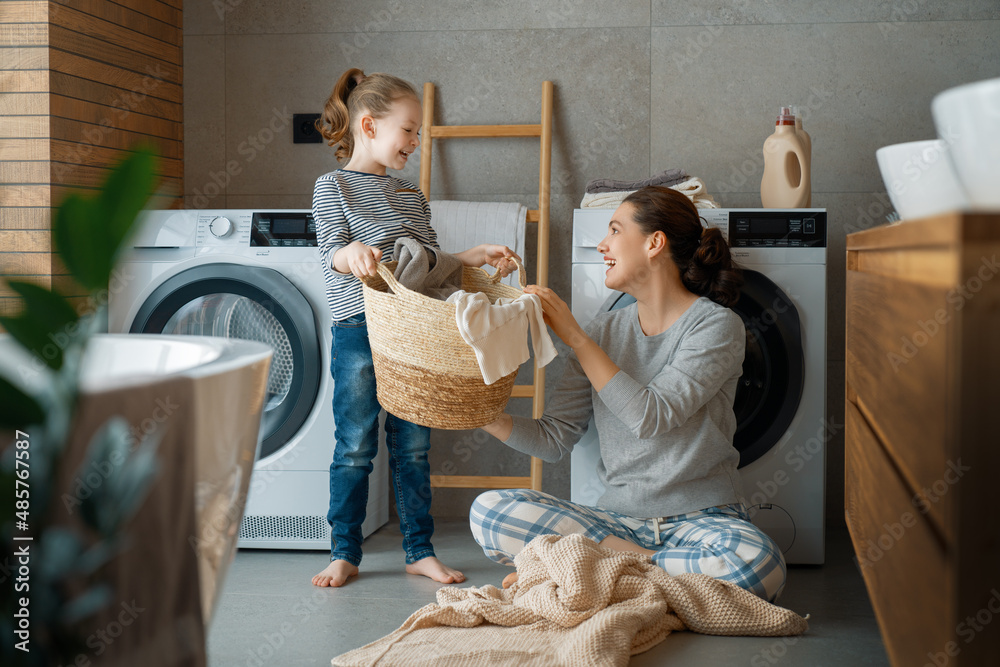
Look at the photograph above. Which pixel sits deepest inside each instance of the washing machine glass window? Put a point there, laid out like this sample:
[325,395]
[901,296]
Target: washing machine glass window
[233,316]
[255,303]
[769,391]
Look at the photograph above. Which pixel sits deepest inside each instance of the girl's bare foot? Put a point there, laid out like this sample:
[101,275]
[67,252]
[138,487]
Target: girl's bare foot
[336,574]
[509,580]
[436,570]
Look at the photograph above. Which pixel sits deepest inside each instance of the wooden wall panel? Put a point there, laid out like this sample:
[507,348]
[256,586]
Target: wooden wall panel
[25,250]
[89,81]
[128,81]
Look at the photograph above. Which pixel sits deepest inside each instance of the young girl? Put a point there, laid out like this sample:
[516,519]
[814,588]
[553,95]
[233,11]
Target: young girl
[659,377]
[360,211]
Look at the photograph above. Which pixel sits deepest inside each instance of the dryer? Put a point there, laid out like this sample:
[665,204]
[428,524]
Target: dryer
[254,275]
[780,402]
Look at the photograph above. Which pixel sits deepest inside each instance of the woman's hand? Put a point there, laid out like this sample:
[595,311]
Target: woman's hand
[558,316]
[498,256]
[357,258]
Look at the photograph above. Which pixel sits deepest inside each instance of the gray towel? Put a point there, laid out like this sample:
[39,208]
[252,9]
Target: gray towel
[427,270]
[666,179]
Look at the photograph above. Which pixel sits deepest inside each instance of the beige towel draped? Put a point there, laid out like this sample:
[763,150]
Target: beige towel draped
[575,603]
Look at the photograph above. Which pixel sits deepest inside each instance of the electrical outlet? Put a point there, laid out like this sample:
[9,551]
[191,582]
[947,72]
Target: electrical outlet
[304,129]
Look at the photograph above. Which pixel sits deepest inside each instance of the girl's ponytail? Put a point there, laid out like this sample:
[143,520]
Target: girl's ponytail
[355,94]
[335,122]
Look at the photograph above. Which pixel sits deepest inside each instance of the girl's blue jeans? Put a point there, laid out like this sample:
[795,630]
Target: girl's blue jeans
[355,414]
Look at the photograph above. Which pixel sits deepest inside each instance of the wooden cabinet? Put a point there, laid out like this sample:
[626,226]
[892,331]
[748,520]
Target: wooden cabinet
[923,434]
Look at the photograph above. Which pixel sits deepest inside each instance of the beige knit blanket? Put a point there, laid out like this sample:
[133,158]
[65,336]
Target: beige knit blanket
[575,603]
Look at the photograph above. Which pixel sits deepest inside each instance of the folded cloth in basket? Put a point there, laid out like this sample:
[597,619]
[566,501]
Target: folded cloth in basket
[426,270]
[666,178]
[497,332]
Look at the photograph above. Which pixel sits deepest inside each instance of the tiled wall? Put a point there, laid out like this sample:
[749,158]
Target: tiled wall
[640,86]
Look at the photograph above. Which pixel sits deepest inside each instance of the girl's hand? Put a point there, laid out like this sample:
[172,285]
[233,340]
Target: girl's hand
[497,256]
[558,316]
[361,259]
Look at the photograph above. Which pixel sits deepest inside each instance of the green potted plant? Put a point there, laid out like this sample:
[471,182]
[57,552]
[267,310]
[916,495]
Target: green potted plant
[52,567]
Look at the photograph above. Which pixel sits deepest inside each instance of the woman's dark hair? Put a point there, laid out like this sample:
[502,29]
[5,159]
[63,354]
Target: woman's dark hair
[353,95]
[700,253]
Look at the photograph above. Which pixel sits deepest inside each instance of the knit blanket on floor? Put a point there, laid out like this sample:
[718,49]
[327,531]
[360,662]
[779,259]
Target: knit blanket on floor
[575,603]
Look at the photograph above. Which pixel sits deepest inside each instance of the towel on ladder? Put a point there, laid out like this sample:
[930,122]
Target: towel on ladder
[575,603]
[460,225]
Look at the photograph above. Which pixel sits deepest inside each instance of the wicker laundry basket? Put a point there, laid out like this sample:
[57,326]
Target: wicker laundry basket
[425,372]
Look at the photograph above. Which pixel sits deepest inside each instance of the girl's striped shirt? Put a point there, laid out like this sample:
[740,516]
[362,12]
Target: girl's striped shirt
[375,210]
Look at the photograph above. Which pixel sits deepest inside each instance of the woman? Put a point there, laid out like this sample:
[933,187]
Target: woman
[659,377]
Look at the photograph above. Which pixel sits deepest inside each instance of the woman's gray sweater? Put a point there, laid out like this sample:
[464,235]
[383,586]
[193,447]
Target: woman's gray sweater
[665,420]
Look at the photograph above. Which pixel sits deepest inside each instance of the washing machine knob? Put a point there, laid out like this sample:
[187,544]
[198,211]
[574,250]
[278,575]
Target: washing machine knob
[220,227]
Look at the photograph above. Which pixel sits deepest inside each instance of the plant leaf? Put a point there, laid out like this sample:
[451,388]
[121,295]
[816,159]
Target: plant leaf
[125,193]
[85,605]
[59,548]
[74,241]
[17,409]
[45,325]
[89,232]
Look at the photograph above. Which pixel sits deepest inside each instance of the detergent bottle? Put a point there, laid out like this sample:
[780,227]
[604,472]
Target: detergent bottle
[785,183]
[807,146]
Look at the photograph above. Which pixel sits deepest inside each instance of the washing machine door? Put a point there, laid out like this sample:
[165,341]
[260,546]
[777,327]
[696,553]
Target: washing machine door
[251,303]
[769,391]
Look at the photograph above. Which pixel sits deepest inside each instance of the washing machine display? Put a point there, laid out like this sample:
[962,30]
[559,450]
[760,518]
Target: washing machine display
[254,275]
[780,402]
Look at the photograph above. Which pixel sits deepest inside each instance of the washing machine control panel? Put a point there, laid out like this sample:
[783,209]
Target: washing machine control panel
[770,228]
[283,229]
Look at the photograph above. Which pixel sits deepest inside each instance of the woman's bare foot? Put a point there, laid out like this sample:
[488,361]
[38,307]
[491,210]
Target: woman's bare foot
[618,544]
[336,574]
[509,580]
[436,570]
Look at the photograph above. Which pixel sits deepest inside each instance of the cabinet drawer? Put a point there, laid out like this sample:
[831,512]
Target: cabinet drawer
[898,337]
[903,562]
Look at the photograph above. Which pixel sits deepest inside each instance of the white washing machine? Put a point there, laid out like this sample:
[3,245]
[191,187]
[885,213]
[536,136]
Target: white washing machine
[781,399]
[253,275]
